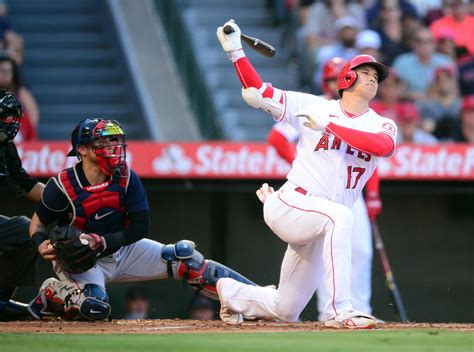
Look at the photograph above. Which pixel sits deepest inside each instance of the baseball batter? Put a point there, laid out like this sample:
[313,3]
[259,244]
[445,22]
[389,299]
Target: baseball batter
[339,147]
[282,137]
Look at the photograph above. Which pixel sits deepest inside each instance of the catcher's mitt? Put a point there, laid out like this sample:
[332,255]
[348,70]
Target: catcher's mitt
[73,250]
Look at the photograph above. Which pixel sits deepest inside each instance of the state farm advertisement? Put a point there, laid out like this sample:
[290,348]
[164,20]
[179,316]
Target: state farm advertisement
[227,160]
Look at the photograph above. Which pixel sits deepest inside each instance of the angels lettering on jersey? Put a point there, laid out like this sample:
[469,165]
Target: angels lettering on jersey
[331,142]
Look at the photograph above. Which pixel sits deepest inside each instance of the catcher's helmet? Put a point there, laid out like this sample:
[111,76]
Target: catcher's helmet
[10,116]
[348,75]
[331,70]
[108,141]
[82,134]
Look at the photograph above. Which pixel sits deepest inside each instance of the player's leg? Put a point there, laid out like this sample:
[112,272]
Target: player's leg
[180,261]
[18,257]
[301,273]
[361,265]
[310,225]
[362,251]
[75,296]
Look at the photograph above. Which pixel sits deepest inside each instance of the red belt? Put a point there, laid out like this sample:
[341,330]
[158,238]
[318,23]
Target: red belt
[301,190]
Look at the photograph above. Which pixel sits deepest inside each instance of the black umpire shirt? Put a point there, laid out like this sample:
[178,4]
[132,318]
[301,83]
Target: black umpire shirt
[18,179]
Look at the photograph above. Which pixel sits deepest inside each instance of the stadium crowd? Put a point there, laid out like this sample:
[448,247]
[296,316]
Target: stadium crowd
[11,77]
[427,44]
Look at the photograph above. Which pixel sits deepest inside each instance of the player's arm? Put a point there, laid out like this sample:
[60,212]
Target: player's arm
[282,137]
[26,184]
[372,196]
[137,228]
[53,206]
[255,93]
[39,235]
[138,214]
[35,193]
[284,148]
[378,144]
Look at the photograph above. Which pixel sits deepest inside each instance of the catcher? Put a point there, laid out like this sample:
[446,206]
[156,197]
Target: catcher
[91,224]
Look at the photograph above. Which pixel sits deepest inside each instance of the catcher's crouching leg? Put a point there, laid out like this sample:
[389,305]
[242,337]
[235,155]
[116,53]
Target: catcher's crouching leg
[198,272]
[58,299]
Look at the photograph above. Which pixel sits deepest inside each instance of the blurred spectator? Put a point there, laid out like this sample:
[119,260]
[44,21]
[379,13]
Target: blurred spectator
[320,28]
[411,26]
[10,80]
[203,308]
[137,303]
[408,131]
[436,12]
[466,71]
[459,21]
[467,121]
[445,43]
[390,94]
[416,67]
[9,39]
[347,29]
[368,42]
[426,8]
[443,100]
[389,27]
[374,13]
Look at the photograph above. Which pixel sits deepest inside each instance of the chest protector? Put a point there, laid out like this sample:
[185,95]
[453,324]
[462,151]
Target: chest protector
[99,208]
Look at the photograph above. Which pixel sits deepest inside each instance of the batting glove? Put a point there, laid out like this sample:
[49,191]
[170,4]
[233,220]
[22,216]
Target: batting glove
[374,205]
[313,121]
[231,43]
[264,192]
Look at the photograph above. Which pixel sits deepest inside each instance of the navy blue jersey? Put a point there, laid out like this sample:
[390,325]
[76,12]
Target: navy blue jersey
[56,206]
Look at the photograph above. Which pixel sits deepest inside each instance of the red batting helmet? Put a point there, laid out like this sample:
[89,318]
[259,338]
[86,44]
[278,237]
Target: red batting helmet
[348,76]
[331,70]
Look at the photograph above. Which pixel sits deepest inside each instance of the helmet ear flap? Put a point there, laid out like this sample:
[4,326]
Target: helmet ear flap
[350,77]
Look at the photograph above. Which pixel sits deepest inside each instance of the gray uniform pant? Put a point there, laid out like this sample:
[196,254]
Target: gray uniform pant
[139,261]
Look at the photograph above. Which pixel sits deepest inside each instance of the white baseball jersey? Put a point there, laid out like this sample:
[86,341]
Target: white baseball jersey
[325,166]
[361,275]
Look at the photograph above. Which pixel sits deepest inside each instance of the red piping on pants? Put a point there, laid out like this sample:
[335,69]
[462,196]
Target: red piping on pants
[301,190]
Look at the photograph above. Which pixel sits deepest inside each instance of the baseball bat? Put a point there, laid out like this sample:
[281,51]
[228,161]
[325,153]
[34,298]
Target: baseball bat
[256,44]
[389,277]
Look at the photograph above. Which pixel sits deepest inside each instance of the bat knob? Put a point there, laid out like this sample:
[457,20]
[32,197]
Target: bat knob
[228,29]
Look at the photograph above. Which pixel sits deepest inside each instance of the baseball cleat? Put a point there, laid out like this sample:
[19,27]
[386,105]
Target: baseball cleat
[352,319]
[226,314]
[230,317]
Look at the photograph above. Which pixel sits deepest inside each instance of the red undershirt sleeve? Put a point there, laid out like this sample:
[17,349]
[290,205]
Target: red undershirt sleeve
[283,147]
[373,183]
[378,144]
[247,74]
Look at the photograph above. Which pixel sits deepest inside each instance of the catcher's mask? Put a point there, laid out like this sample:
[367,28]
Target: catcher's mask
[108,141]
[11,113]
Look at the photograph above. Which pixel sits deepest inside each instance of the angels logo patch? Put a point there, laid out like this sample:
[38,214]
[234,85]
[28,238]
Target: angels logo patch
[389,128]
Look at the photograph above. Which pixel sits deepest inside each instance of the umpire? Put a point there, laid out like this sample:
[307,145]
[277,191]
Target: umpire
[18,254]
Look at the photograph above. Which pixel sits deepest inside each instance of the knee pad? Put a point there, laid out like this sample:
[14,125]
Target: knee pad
[95,304]
[184,252]
[201,274]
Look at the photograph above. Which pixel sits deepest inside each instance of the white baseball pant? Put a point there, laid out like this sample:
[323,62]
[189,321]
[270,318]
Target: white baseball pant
[319,236]
[361,277]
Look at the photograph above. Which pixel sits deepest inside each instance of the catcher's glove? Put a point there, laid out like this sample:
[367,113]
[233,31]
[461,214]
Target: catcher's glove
[77,252]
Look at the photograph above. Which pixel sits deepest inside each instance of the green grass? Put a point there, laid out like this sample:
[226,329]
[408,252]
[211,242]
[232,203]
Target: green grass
[403,340]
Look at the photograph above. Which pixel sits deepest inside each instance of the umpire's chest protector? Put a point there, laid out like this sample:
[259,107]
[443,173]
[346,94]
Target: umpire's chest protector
[98,208]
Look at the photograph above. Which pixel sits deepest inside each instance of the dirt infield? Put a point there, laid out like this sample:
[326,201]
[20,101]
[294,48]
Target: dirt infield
[193,326]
